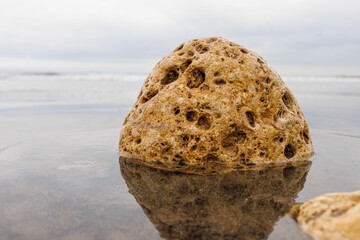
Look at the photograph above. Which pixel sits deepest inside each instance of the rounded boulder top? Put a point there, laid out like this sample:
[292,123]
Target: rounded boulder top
[214,105]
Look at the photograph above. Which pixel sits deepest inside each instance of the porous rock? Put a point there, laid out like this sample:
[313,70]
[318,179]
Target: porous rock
[212,103]
[242,204]
[331,216]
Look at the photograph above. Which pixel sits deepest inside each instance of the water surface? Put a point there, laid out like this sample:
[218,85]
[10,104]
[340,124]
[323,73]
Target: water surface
[59,165]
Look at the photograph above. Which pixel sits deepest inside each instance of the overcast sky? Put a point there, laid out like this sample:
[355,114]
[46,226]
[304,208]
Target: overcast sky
[295,36]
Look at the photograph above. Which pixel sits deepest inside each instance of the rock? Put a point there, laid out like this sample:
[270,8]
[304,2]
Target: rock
[242,204]
[214,104]
[331,216]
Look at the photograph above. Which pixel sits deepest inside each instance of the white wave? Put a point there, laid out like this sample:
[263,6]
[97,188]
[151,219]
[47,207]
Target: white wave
[49,88]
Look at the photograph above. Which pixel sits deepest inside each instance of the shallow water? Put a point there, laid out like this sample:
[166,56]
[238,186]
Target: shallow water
[59,170]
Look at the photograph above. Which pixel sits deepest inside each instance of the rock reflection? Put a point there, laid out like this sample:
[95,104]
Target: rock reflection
[243,204]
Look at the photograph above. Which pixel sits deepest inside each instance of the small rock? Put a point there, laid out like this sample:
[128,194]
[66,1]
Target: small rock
[331,216]
[212,103]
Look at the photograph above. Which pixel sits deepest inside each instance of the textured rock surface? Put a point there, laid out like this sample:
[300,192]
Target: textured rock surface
[331,216]
[242,204]
[213,102]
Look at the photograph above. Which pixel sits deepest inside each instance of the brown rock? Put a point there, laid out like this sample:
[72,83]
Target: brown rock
[331,216]
[243,204]
[212,102]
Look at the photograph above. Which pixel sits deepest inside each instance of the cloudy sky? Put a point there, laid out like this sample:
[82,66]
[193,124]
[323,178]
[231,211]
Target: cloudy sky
[295,36]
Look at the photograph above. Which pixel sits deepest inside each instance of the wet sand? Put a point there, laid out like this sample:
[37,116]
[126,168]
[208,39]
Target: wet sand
[59,165]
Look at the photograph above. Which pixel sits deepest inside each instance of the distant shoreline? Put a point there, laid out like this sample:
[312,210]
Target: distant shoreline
[145,74]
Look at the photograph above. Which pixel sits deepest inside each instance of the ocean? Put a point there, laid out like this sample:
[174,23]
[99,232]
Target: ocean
[59,163]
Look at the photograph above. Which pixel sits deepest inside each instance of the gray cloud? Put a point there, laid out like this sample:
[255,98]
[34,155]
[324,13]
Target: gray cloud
[298,32]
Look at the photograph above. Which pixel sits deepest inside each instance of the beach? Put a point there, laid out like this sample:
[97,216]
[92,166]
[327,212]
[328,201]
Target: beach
[59,162]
